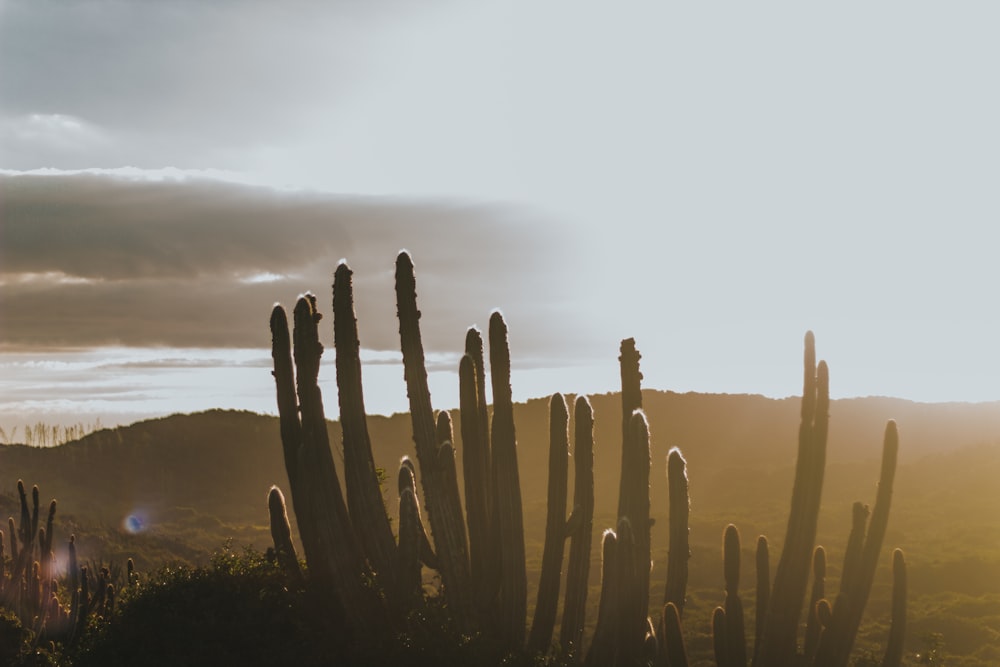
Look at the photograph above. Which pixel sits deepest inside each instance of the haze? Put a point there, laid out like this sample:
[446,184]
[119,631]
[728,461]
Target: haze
[712,180]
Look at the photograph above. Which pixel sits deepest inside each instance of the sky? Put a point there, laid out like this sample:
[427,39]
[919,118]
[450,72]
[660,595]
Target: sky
[714,180]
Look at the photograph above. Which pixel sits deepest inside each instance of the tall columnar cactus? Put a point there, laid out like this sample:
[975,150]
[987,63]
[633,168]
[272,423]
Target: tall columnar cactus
[335,560]
[835,645]
[507,491]
[631,401]
[580,528]
[459,596]
[604,643]
[634,502]
[778,645]
[555,527]
[763,571]
[631,614]
[451,552]
[364,495]
[897,629]
[736,651]
[475,468]
[679,509]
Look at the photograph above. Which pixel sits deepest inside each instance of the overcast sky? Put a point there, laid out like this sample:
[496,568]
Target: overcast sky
[711,179]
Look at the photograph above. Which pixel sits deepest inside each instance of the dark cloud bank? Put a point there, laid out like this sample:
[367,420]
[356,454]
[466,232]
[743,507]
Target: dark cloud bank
[92,260]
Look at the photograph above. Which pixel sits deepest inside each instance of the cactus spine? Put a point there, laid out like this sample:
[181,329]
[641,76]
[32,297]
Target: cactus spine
[580,528]
[555,527]
[364,496]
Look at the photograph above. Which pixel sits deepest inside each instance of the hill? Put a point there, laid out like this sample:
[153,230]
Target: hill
[177,488]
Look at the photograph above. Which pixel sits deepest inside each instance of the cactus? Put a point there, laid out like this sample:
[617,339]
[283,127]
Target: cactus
[445,517]
[507,491]
[719,637]
[281,535]
[407,480]
[634,503]
[835,645]
[679,509]
[631,614]
[579,528]
[763,592]
[897,629]
[813,626]
[459,596]
[676,652]
[332,551]
[408,580]
[475,468]
[555,527]
[631,401]
[778,644]
[483,575]
[603,645]
[736,650]
[364,495]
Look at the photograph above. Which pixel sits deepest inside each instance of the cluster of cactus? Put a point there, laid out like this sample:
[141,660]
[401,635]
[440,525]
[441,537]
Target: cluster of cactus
[373,579]
[28,584]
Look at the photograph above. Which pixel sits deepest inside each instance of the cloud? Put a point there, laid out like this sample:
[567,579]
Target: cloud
[179,82]
[90,260]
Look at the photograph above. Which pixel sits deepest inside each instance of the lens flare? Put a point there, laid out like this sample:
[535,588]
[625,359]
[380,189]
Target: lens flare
[134,523]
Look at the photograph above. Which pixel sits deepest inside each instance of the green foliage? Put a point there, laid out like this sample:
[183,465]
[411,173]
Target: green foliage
[239,610]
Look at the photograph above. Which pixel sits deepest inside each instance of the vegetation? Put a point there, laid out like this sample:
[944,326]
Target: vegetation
[344,568]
